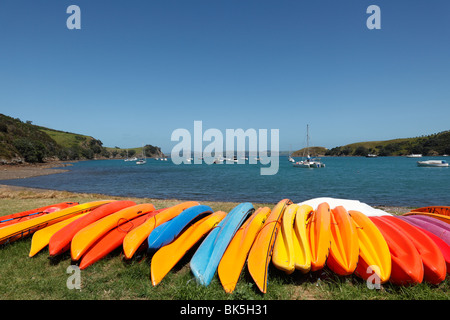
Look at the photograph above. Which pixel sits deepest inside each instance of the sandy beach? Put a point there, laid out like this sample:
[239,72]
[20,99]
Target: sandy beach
[21,171]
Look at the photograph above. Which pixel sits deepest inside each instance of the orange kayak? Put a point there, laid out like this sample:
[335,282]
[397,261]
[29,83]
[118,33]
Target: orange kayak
[60,241]
[319,236]
[33,213]
[233,260]
[19,230]
[136,237]
[261,250]
[407,267]
[374,254]
[112,240]
[435,269]
[442,210]
[302,251]
[87,236]
[344,250]
[168,256]
[283,256]
[41,237]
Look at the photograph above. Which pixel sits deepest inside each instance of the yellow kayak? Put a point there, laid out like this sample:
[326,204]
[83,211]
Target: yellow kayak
[18,230]
[319,234]
[233,260]
[168,256]
[41,238]
[261,250]
[344,250]
[302,251]
[283,251]
[374,254]
[138,235]
[87,236]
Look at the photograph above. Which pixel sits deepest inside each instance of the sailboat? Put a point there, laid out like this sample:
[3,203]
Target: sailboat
[309,162]
[290,159]
[142,160]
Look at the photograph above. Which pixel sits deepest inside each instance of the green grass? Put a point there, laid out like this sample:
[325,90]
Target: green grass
[39,277]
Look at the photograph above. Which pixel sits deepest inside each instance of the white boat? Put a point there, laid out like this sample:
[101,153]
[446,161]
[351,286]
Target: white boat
[371,155]
[291,159]
[309,162]
[432,163]
[417,155]
[142,160]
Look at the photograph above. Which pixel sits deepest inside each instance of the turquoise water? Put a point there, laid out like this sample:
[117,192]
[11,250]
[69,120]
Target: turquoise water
[395,181]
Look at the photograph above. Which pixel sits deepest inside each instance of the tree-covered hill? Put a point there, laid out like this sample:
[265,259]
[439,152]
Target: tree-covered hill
[25,142]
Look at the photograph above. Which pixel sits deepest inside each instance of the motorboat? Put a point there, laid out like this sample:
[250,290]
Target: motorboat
[432,163]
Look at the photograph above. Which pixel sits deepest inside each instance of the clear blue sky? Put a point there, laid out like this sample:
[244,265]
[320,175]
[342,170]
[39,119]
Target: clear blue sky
[137,70]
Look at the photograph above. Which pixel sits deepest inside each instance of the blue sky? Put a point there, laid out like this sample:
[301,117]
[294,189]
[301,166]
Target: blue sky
[137,70]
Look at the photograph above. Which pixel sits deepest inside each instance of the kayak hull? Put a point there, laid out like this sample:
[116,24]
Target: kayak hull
[374,256]
[87,236]
[233,260]
[136,237]
[206,259]
[261,251]
[168,256]
[60,241]
[407,267]
[344,250]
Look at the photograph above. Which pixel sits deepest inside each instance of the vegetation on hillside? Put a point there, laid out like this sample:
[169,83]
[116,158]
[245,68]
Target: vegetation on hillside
[430,145]
[25,142]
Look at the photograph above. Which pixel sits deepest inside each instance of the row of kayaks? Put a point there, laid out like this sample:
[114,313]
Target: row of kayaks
[304,237]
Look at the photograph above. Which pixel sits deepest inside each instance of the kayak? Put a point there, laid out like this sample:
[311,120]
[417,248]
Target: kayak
[301,245]
[87,236]
[430,225]
[60,241]
[319,236]
[441,210]
[167,257]
[112,240]
[19,230]
[206,259]
[33,213]
[407,267]
[444,247]
[283,256]
[374,255]
[136,237]
[441,217]
[344,249]
[261,251]
[42,237]
[168,231]
[233,260]
[434,266]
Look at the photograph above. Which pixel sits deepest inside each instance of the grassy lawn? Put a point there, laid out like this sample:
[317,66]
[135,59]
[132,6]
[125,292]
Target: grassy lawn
[24,278]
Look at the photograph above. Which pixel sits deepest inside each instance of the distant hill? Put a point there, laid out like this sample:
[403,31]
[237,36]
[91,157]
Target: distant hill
[430,145]
[313,152]
[25,142]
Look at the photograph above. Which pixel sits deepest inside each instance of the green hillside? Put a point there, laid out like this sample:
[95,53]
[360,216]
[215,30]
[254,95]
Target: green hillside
[25,142]
[430,145]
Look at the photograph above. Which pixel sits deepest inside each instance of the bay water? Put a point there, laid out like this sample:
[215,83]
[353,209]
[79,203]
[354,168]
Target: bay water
[390,181]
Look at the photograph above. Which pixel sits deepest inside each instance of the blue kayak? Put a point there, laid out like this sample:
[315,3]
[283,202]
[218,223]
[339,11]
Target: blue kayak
[206,259]
[168,231]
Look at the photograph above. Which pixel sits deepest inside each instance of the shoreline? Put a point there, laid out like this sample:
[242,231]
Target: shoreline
[23,171]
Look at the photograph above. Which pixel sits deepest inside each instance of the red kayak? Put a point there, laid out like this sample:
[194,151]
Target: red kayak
[435,269]
[60,241]
[113,239]
[407,267]
[33,213]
